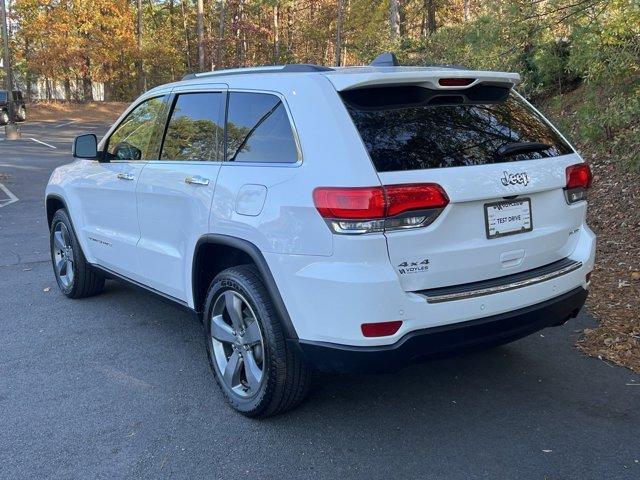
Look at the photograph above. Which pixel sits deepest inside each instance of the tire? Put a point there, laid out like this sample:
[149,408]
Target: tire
[77,279]
[284,379]
[4,117]
[21,114]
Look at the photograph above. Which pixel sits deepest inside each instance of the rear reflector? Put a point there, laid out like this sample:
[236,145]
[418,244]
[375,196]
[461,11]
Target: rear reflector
[578,176]
[381,329]
[456,82]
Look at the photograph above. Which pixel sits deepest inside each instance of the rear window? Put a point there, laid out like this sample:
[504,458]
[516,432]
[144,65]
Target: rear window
[412,128]
[258,129]
[195,130]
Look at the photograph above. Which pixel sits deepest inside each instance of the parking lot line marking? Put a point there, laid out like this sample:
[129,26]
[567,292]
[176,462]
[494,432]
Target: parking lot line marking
[8,193]
[67,123]
[43,143]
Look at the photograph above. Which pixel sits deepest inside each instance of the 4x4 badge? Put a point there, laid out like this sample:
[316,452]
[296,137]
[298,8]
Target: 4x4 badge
[413,267]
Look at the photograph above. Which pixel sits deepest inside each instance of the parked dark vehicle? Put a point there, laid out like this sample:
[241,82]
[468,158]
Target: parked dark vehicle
[19,108]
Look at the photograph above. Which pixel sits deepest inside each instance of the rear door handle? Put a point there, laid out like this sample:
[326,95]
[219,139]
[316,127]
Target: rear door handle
[196,180]
[125,176]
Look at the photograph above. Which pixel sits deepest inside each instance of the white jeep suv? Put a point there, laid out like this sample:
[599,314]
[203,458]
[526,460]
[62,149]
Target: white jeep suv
[340,219]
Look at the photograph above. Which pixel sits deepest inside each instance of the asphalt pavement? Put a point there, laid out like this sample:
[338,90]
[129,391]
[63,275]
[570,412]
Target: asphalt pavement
[117,386]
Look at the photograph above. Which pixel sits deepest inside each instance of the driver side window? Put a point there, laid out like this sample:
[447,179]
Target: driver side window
[134,138]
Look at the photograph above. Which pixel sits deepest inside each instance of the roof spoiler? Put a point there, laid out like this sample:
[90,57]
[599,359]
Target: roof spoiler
[389,59]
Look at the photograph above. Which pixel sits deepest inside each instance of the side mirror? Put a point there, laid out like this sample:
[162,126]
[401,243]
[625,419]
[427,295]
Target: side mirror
[126,151]
[85,146]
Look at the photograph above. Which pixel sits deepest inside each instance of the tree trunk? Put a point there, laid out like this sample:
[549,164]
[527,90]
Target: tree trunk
[290,27]
[108,91]
[139,66]
[394,19]
[187,43]
[276,34]
[244,37]
[200,29]
[430,7]
[67,89]
[338,59]
[240,42]
[467,10]
[219,58]
[402,20]
[28,79]
[87,90]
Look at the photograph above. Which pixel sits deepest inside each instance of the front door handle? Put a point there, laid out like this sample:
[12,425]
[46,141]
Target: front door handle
[125,176]
[196,180]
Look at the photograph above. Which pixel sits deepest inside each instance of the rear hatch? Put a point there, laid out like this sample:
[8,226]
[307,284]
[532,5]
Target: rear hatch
[501,164]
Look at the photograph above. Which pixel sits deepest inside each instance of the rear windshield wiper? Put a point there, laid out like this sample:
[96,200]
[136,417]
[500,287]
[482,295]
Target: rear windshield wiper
[521,147]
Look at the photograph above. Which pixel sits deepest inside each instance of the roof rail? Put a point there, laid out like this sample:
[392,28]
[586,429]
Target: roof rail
[290,68]
[305,67]
[387,59]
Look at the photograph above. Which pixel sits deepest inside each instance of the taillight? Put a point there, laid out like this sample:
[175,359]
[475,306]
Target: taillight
[402,198]
[350,203]
[455,82]
[376,209]
[579,176]
[578,180]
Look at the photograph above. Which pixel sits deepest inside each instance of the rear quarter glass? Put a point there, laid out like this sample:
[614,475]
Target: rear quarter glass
[413,128]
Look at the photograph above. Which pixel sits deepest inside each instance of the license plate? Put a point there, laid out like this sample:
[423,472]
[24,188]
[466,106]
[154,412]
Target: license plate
[508,217]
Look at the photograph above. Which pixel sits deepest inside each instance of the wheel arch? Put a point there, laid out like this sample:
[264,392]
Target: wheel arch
[246,251]
[53,203]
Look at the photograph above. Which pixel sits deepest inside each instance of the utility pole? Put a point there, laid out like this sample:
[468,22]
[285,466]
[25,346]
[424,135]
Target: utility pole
[11,129]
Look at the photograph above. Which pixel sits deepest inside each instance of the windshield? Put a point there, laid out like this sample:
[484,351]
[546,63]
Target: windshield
[410,128]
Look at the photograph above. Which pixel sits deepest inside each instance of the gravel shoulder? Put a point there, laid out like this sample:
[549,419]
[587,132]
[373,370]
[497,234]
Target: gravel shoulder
[614,215]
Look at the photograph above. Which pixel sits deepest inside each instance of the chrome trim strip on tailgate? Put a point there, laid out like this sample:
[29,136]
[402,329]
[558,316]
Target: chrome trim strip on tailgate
[510,282]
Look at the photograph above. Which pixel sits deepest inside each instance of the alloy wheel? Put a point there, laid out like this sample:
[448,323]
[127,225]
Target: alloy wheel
[237,344]
[63,255]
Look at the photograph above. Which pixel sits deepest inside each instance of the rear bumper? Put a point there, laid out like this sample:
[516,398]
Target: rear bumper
[328,298]
[446,339]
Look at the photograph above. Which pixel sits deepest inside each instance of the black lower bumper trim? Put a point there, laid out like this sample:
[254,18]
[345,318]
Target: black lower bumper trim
[445,340]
